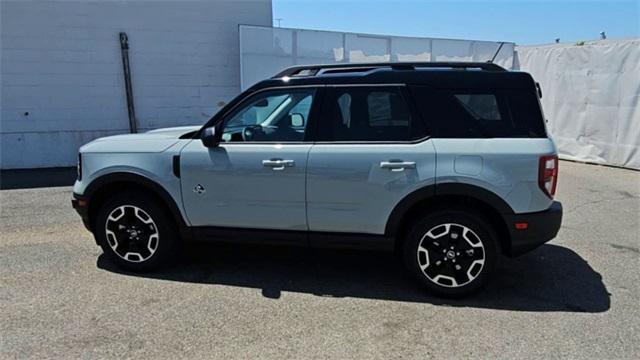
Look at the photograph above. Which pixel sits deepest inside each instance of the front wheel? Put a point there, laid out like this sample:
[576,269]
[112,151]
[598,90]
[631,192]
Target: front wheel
[451,252]
[135,232]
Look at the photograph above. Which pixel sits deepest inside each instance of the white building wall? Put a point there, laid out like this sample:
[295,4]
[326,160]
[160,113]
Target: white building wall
[61,71]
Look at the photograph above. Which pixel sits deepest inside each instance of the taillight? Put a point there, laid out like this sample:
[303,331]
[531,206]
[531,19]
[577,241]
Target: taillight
[548,174]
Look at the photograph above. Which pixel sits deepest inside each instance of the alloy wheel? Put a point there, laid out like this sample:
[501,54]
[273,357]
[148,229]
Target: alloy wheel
[131,233]
[451,255]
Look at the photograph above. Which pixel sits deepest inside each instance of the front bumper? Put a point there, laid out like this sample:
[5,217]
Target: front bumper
[541,227]
[81,205]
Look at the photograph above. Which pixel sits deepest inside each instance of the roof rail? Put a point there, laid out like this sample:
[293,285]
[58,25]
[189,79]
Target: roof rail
[312,70]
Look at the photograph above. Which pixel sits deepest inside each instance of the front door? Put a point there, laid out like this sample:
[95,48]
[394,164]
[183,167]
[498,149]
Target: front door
[255,178]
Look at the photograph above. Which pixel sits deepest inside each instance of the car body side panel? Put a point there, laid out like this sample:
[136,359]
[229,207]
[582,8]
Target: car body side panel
[156,166]
[506,167]
[348,191]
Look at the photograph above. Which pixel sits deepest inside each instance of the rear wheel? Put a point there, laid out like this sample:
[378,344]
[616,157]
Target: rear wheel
[135,232]
[451,252]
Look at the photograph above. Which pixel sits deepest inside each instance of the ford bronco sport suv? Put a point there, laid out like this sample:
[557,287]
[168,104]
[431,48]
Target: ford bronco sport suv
[449,164]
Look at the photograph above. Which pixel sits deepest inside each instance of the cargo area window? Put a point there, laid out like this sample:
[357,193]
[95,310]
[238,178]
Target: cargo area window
[480,113]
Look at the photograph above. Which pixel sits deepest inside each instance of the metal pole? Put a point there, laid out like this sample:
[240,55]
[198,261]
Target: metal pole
[497,52]
[124,49]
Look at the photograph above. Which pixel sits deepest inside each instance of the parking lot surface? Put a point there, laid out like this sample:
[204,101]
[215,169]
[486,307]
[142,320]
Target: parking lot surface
[578,296]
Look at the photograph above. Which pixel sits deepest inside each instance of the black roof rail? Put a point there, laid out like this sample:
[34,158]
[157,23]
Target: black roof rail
[312,70]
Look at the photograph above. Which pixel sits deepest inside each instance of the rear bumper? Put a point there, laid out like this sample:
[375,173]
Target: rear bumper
[541,227]
[81,205]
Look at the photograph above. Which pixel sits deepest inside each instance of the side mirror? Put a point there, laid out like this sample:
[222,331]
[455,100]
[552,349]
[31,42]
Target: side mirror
[209,137]
[297,120]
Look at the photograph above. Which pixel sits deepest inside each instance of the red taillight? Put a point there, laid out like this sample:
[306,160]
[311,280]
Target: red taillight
[548,174]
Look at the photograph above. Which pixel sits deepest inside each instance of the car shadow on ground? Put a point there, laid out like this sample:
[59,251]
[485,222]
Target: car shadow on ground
[551,278]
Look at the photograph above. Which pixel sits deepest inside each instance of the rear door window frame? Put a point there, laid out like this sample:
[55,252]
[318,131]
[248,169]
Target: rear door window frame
[406,96]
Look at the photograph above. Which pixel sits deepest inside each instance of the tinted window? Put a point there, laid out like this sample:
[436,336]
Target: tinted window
[480,106]
[459,113]
[270,116]
[368,114]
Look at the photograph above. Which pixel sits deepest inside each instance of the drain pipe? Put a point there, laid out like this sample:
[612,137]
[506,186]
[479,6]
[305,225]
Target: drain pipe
[124,49]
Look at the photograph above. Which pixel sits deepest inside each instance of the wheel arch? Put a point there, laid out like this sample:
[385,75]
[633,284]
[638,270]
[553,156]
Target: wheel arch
[440,196]
[100,188]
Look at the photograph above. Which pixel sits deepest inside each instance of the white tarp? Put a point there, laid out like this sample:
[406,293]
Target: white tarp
[590,97]
[264,51]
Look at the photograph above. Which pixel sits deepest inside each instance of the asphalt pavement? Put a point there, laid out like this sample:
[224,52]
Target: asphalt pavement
[576,297]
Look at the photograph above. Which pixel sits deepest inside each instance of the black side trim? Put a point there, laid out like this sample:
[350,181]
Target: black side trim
[176,166]
[475,192]
[542,227]
[431,191]
[399,211]
[111,178]
[83,211]
[292,237]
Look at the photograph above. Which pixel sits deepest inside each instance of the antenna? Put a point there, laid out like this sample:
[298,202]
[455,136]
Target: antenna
[278,20]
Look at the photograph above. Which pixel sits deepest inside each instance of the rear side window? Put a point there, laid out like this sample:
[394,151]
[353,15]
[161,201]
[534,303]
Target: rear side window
[363,113]
[484,113]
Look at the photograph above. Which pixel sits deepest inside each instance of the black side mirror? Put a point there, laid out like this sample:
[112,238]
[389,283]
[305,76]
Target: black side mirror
[209,137]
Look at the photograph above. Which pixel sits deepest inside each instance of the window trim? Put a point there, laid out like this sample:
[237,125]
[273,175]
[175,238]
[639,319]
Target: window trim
[404,92]
[312,114]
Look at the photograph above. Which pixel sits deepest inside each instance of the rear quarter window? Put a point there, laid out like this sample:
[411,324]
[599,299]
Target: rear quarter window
[480,113]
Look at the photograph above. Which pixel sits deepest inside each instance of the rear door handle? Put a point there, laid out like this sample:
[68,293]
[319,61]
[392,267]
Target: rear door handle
[278,164]
[398,165]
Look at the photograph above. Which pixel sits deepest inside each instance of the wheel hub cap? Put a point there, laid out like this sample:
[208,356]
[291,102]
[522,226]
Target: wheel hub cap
[131,233]
[451,255]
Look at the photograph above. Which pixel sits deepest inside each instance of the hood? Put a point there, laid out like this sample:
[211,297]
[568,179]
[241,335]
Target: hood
[152,141]
[175,131]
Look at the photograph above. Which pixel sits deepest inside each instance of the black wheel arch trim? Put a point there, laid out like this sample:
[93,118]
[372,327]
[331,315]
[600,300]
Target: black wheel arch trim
[104,180]
[434,190]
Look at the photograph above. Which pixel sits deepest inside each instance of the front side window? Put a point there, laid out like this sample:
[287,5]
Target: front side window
[278,115]
[363,113]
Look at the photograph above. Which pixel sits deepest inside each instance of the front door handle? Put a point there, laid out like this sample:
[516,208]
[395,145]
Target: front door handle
[278,164]
[398,165]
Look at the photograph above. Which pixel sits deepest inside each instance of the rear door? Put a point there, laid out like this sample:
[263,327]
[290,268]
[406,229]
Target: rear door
[371,150]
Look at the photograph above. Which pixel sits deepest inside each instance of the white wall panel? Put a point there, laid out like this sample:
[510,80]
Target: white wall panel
[60,63]
[264,51]
[591,98]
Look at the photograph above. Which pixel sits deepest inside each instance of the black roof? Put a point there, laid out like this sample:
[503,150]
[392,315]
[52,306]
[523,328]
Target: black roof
[437,74]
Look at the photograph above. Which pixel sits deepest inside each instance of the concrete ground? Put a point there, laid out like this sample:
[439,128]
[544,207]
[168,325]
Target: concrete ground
[577,297]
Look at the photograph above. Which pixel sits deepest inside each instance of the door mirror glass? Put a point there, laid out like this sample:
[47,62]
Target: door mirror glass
[209,138]
[297,120]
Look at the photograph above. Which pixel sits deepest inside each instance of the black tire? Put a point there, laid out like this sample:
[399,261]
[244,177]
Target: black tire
[157,243]
[451,265]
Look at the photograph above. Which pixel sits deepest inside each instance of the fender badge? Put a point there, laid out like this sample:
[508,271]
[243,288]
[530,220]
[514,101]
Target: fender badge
[199,189]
